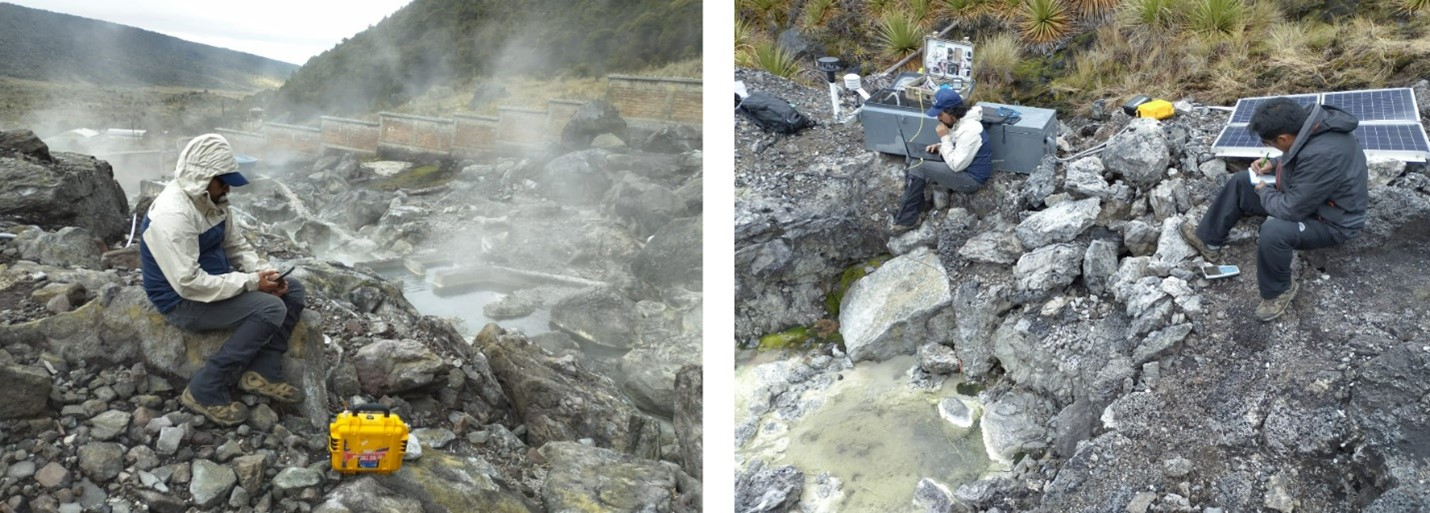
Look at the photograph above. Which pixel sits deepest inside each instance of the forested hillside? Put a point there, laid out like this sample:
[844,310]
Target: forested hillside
[52,47]
[436,42]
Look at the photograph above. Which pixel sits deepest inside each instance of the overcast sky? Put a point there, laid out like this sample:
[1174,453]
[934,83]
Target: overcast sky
[285,30]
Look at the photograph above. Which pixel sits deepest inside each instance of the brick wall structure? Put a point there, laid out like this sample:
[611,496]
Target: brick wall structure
[350,135]
[641,100]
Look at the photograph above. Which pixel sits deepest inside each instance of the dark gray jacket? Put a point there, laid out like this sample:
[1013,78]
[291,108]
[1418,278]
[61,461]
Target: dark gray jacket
[1323,176]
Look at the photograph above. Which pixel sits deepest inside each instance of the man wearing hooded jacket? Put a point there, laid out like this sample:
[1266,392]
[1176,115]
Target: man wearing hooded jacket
[967,158]
[201,273]
[1319,198]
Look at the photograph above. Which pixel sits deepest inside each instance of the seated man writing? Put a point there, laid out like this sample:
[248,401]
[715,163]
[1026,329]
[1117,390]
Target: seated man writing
[967,157]
[1319,198]
[202,274]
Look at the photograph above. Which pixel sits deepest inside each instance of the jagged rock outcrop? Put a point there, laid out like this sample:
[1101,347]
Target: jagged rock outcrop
[600,316]
[587,478]
[673,256]
[67,247]
[883,314]
[590,120]
[689,419]
[64,190]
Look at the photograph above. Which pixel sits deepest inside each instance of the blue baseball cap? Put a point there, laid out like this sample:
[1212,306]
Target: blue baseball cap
[236,179]
[945,97]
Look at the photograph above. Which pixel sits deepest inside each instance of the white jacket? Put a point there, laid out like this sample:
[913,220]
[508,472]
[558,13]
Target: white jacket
[963,141]
[183,211]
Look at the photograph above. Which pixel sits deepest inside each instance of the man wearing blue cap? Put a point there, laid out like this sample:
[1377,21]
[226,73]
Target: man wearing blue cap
[967,157]
[201,273]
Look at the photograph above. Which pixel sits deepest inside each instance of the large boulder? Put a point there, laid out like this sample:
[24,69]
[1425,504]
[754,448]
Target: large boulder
[389,367]
[768,490]
[591,119]
[437,482]
[1084,178]
[1015,423]
[1139,155]
[1061,223]
[882,315]
[641,205]
[667,170]
[24,142]
[121,326]
[673,257]
[584,478]
[578,178]
[648,372]
[599,316]
[1048,269]
[560,400]
[71,246]
[73,190]
[689,410]
[28,390]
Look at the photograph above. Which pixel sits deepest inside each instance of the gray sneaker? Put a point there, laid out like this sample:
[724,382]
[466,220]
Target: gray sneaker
[1270,309]
[1189,234]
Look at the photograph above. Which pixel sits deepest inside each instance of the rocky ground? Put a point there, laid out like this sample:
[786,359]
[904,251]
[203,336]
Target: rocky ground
[1127,381]
[505,422]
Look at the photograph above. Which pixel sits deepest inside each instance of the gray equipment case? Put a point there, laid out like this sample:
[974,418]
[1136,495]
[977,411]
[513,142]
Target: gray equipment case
[890,118]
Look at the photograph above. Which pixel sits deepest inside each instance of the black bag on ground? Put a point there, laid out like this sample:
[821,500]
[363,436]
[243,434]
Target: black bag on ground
[773,113]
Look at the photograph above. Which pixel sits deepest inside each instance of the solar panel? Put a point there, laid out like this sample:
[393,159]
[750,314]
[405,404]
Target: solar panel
[1392,138]
[1246,106]
[1237,136]
[1377,105]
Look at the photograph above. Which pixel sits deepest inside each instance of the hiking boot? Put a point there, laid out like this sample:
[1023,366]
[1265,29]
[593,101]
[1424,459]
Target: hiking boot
[1189,234]
[222,414]
[254,382]
[1270,309]
[900,229]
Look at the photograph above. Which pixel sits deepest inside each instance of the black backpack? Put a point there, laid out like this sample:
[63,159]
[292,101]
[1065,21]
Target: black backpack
[773,113]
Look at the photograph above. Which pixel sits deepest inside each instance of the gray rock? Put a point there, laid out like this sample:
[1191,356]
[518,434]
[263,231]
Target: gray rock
[263,418]
[958,412]
[1164,199]
[169,439]
[600,316]
[211,483]
[1141,238]
[1141,502]
[109,424]
[1084,177]
[642,205]
[1040,183]
[672,257]
[388,367]
[577,178]
[239,497]
[993,247]
[509,307]
[979,309]
[28,391]
[73,292]
[72,190]
[689,412]
[647,373]
[53,475]
[882,314]
[1388,404]
[1159,343]
[1278,497]
[26,143]
[933,497]
[1383,170]
[1047,269]
[367,494]
[1139,155]
[560,400]
[1060,223]
[250,470]
[1214,170]
[762,490]
[1172,249]
[584,477]
[938,359]
[101,461]
[293,480]
[1032,360]
[69,247]
[1013,424]
[434,437]
[1099,263]
[20,470]
[591,119]
[1176,467]
[1402,498]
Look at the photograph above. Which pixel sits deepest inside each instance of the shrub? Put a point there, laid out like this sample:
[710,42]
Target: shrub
[1044,21]
[1216,17]
[899,34]
[770,57]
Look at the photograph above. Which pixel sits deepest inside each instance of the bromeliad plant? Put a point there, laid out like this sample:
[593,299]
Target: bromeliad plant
[1044,21]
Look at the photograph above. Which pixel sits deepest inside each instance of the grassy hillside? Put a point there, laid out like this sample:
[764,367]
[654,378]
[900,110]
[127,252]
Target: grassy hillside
[1066,53]
[51,47]
[443,43]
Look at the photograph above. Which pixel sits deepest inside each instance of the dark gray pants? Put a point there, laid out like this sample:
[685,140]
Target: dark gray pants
[917,178]
[263,323]
[1278,239]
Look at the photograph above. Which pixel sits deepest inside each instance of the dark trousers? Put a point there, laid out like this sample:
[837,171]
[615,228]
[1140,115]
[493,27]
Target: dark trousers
[917,178]
[1278,237]
[262,324]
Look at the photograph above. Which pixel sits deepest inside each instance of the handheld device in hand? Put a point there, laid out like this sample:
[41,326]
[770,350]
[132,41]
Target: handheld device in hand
[1213,272]
[285,273]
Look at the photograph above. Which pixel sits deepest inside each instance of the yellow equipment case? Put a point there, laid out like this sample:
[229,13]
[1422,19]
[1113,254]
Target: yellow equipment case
[1156,109]
[367,439]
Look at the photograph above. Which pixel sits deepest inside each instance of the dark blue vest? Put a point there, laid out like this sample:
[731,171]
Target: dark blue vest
[982,165]
[212,259]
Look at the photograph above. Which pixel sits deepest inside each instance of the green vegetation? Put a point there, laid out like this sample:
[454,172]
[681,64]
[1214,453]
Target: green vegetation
[416,178]
[436,43]
[770,57]
[1067,53]
[847,279]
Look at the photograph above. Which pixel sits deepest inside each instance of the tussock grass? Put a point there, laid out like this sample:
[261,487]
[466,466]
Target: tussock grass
[1094,8]
[1044,21]
[1216,17]
[1149,15]
[900,34]
[1413,6]
[770,57]
[994,60]
[815,13]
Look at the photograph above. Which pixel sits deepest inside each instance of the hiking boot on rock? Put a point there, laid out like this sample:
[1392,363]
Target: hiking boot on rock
[254,382]
[222,414]
[1189,234]
[1270,309]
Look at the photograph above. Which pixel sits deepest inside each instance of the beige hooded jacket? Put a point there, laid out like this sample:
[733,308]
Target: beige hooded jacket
[184,210]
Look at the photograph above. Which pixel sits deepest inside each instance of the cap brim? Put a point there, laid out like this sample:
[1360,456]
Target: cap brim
[933,112]
[233,179]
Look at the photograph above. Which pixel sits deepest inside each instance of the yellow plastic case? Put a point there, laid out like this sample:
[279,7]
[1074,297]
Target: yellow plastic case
[1156,109]
[367,439]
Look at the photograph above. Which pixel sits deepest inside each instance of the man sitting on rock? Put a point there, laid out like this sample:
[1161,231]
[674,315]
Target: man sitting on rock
[967,157]
[1319,198]
[194,260]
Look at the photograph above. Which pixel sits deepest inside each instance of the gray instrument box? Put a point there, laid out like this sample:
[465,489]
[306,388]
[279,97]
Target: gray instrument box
[890,117]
